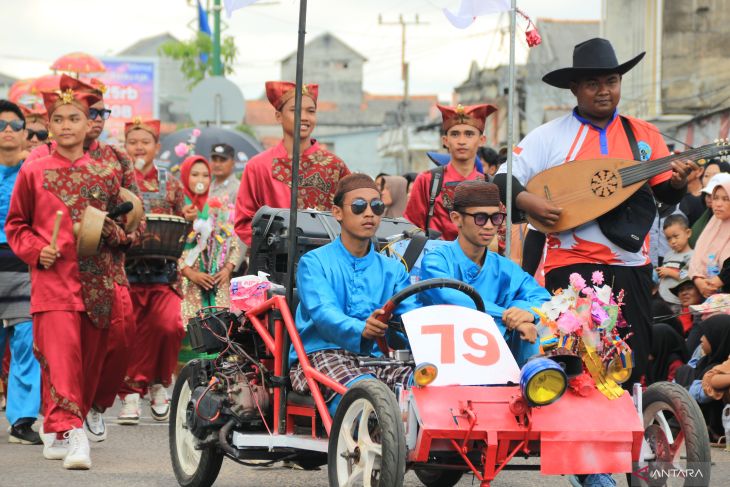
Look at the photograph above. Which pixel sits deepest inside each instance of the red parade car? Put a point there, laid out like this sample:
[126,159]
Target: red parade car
[238,404]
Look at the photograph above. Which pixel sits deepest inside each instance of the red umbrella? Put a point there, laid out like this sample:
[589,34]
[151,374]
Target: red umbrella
[20,88]
[48,82]
[78,62]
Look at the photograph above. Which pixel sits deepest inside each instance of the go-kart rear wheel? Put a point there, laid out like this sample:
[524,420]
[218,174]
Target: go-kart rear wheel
[677,436]
[367,443]
[439,478]
[192,467]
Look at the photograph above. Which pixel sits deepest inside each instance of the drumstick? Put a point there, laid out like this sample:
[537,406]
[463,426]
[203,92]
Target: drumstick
[56,228]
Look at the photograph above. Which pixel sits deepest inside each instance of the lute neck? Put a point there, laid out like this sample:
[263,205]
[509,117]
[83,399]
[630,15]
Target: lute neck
[645,170]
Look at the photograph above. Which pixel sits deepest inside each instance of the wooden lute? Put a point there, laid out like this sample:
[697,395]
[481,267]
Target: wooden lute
[588,189]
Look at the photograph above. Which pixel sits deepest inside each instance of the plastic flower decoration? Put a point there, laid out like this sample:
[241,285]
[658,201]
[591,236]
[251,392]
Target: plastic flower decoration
[584,320]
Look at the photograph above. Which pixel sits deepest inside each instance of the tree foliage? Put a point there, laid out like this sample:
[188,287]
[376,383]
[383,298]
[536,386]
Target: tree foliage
[189,53]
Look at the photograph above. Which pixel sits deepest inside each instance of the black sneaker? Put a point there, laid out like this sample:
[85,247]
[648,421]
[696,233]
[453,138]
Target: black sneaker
[23,434]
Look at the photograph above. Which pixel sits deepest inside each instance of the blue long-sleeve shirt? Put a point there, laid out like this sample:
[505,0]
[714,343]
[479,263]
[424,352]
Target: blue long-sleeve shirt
[338,292]
[501,283]
[8,175]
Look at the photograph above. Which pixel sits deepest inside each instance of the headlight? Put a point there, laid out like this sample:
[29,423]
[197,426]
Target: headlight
[619,370]
[424,374]
[542,382]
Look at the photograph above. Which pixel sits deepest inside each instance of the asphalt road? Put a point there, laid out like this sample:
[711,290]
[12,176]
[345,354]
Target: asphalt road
[137,456]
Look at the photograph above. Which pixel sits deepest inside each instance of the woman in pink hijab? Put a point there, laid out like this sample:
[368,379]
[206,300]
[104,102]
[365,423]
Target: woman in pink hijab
[710,264]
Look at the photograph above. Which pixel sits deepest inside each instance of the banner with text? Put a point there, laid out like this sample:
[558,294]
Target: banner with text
[132,91]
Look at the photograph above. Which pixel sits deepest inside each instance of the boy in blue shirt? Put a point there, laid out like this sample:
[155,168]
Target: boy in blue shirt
[509,293]
[342,287]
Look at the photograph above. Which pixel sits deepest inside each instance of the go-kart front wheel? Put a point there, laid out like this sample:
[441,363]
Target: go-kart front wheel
[439,478]
[677,436]
[367,441]
[192,467]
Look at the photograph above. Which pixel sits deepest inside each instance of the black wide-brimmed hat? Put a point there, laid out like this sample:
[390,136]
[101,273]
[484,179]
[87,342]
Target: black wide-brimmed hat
[594,56]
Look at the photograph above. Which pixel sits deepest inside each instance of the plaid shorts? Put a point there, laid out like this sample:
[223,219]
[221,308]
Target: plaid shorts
[343,367]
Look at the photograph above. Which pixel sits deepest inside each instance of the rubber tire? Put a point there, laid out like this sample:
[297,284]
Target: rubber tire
[439,478]
[210,458]
[392,439]
[687,411]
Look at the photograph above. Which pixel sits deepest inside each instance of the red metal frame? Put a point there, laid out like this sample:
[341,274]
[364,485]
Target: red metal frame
[275,346]
[488,422]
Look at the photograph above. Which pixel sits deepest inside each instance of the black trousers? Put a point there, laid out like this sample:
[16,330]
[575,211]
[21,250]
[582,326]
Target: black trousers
[636,283]
[532,251]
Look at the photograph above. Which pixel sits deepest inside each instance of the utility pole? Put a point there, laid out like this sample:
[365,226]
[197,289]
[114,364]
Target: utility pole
[405,164]
[217,65]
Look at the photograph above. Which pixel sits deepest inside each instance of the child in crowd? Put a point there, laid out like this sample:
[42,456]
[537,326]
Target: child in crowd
[676,260]
[211,250]
[688,295]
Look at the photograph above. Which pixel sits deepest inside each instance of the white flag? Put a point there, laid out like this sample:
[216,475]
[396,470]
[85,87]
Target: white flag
[232,5]
[471,9]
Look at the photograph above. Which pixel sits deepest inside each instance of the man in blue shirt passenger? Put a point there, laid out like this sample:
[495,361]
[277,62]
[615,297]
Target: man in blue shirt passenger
[342,287]
[508,292]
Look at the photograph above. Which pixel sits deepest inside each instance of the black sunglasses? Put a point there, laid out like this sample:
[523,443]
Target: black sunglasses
[103,112]
[41,134]
[17,125]
[480,219]
[359,205]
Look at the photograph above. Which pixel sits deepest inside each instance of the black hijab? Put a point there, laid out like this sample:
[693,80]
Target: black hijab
[717,331]
[667,346]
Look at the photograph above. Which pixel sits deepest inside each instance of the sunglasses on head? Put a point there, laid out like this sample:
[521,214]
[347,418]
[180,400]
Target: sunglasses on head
[17,125]
[104,113]
[41,134]
[480,219]
[359,205]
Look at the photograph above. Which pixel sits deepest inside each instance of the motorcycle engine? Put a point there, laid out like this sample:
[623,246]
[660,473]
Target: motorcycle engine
[247,397]
[204,412]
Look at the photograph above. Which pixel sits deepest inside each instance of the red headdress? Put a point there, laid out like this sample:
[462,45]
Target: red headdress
[151,126]
[279,92]
[98,87]
[197,199]
[35,113]
[474,115]
[71,92]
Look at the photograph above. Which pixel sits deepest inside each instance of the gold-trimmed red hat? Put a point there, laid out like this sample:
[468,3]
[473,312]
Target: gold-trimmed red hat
[70,92]
[474,115]
[35,113]
[280,92]
[151,126]
[95,86]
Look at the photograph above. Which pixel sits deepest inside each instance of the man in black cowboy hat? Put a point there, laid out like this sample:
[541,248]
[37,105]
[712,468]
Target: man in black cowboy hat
[594,130]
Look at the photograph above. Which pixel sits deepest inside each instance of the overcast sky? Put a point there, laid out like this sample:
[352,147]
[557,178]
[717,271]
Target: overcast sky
[36,32]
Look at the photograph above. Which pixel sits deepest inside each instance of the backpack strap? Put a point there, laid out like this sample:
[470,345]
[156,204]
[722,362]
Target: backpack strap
[437,182]
[632,138]
[414,249]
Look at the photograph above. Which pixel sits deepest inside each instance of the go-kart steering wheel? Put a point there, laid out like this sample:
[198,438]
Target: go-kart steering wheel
[418,287]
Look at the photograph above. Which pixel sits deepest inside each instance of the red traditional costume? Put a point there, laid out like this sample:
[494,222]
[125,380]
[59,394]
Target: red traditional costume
[154,287]
[120,340]
[77,300]
[418,203]
[267,178]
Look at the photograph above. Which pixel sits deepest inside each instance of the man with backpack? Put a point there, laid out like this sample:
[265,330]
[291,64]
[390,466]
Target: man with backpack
[433,191]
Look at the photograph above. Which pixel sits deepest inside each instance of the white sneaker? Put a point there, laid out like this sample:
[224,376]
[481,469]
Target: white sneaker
[53,448]
[94,426]
[159,403]
[78,456]
[130,410]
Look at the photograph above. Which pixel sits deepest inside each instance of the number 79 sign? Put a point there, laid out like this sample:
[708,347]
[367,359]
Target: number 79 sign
[465,345]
